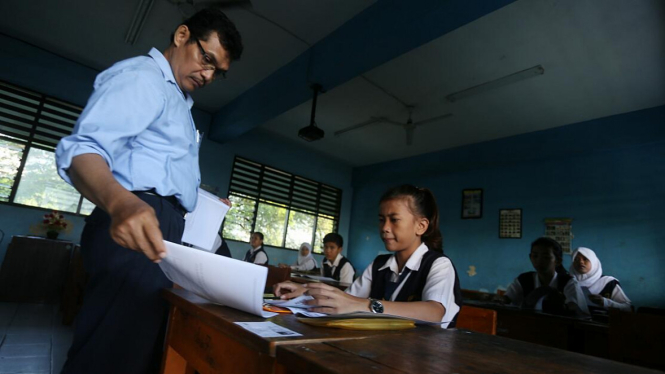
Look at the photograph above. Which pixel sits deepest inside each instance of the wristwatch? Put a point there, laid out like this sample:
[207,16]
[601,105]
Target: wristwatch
[375,306]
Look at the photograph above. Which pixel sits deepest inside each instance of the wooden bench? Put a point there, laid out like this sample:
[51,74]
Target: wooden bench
[477,319]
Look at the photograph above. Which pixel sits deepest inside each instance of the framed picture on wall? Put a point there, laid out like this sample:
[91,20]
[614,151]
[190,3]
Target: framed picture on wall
[510,223]
[560,229]
[472,203]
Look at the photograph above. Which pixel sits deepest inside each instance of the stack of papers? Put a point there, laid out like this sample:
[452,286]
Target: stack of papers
[220,279]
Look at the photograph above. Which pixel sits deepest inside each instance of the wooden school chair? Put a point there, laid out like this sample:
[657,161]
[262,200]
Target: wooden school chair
[276,275]
[477,319]
[637,338]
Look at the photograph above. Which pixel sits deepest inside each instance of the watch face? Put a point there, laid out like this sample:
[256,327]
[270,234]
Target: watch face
[377,307]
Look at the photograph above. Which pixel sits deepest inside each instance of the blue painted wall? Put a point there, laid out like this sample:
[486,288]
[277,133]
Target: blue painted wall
[608,175]
[39,70]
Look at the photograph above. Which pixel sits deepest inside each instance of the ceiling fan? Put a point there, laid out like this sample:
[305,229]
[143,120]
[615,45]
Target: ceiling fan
[409,126]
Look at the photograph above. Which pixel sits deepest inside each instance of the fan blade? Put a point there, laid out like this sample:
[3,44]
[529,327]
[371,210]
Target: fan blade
[433,119]
[409,135]
[359,125]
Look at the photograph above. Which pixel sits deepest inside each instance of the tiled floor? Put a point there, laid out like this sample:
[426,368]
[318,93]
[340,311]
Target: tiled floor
[32,339]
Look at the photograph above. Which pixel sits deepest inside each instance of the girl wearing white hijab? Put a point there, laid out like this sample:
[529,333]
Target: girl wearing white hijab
[306,261]
[604,290]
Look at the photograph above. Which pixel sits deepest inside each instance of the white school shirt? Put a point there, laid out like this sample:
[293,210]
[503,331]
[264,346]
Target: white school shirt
[571,291]
[439,287]
[595,281]
[345,273]
[261,258]
[308,264]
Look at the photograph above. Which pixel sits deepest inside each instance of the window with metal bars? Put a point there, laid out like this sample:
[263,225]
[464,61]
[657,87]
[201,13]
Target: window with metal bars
[31,125]
[286,208]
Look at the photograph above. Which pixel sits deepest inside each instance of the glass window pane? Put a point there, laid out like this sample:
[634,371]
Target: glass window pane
[324,226]
[10,160]
[300,229]
[238,222]
[87,207]
[271,221]
[41,186]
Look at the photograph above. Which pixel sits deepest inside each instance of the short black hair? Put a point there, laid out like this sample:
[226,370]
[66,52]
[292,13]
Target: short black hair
[552,244]
[259,234]
[210,20]
[335,238]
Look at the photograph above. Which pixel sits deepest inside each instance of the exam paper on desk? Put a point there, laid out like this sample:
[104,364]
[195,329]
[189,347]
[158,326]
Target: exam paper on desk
[222,280]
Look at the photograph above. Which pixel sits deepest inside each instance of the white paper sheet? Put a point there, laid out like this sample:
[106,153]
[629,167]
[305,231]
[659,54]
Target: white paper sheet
[268,329]
[202,225]
[220,279]
[297,302]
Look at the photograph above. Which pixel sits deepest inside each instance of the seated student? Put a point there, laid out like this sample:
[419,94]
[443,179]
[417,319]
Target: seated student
[416,280]
[256,254]
[335,265]
[605,291]
[305,262]
[550,288]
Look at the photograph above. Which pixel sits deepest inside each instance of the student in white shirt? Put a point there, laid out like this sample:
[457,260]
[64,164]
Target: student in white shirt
[416,280]
[604,291]
[256,254]
[550,288]
[305,262]
[335,265]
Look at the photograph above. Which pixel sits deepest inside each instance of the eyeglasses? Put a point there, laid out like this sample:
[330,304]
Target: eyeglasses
[208,63]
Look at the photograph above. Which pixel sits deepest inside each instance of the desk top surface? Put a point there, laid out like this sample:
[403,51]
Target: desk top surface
[223,319]
[442,351]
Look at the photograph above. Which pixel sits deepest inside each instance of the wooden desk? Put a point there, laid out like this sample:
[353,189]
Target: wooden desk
[442,351]
[569,333]
[204,337]
[34,270]
[302,279]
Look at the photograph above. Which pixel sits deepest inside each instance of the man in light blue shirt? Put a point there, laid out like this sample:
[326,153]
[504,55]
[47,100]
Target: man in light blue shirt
[134,154]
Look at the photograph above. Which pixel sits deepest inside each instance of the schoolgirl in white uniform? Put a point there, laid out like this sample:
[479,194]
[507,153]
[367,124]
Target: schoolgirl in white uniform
[550,288]
[306,262]
[415,281]
[605,291]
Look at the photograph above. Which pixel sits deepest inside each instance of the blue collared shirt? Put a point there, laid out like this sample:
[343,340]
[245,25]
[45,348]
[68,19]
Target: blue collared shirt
[140,122]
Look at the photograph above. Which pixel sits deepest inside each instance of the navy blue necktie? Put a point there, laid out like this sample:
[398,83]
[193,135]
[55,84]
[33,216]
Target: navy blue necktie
[392,286]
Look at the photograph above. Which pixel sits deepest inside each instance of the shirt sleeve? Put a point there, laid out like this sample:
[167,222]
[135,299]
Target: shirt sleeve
[574,294]
[346,273]
[261,258]
[120,108]
[308,265]
[440,287]
[363,285]
[619,300]
[515,293]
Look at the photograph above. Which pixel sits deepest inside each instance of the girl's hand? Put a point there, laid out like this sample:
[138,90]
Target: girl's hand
[597,299]
[288,290]
[332,300]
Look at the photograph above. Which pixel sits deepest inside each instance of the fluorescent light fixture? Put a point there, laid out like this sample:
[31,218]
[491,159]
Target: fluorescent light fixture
[139,19]
[508,79]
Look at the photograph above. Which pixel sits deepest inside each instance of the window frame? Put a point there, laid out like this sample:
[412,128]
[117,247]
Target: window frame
[295,184]
[37,137]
